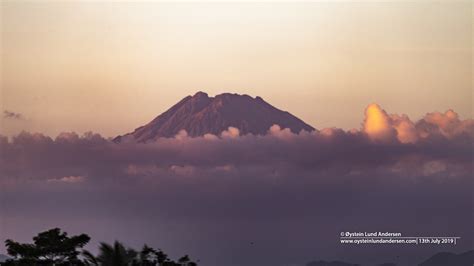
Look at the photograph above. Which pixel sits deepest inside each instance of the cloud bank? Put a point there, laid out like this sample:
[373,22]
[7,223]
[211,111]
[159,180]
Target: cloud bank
[389,142]
[221,192]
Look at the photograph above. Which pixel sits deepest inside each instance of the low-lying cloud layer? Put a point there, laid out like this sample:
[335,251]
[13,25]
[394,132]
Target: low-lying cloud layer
[222,192]
[440,142]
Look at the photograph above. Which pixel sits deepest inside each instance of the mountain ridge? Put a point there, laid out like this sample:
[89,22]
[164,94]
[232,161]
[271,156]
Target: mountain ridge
[200,114]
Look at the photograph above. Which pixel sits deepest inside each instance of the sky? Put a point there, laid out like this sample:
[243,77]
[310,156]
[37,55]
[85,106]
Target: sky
[110,67]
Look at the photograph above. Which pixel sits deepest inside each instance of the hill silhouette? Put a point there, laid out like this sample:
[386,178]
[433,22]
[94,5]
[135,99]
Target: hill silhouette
[330,263]
[451,259]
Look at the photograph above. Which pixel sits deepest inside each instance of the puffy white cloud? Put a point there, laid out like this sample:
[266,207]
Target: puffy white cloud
[382,127]
[405,128]
[231,132]
[182,134]
[277,131]
[446,124]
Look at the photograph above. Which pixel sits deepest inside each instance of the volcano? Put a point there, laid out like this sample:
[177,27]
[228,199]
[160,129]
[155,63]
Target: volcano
[200,114]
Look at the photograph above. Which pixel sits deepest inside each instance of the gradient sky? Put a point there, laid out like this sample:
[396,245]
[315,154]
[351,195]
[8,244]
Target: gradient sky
[111,67]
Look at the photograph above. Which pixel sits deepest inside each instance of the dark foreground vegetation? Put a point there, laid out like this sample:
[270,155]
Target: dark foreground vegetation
[54,247]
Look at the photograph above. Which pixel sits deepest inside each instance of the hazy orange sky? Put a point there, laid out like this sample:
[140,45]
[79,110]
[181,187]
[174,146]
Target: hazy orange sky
[110,67]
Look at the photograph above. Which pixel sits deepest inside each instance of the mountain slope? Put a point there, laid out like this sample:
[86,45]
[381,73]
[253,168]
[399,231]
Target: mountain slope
[201,114]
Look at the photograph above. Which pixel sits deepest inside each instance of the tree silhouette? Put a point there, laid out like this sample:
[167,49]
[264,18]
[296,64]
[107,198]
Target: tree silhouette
[56,248]
[112,255]
[89,258]
[161,257]
[148,256]
[184,260]
[119,255]
[49,247]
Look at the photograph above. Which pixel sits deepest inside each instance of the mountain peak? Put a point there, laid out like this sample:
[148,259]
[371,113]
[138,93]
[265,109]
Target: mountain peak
[200,94]
[200,114]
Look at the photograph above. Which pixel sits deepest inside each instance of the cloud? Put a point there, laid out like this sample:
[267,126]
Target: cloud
[377,124]
[382,127]
[384,142]
[231,189]
[446,124]
[231,132]
[12,115]
[67,179]
[405,128]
